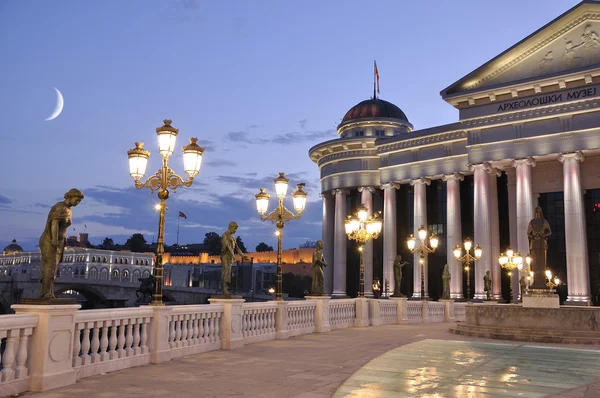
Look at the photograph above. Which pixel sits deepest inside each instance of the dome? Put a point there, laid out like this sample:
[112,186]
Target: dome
[13,248]
[374,108]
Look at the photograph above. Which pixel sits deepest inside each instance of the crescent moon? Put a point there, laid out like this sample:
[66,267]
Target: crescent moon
[59,105]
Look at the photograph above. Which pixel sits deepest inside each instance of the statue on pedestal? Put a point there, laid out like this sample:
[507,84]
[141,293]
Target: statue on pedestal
[523,284]
[53,239]
[487,285]
[538,232]
[376,288]
[398,264]
[446,283]
[229,248]
[318,262]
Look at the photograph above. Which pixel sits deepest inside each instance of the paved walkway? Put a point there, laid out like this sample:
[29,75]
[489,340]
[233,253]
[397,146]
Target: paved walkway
[309,366]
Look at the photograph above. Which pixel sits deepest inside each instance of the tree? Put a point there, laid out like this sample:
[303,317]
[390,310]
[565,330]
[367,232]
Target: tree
[240,244]
[263,247]
[137,243]
[296,285]
[212,241]
[309,244]
[107,244]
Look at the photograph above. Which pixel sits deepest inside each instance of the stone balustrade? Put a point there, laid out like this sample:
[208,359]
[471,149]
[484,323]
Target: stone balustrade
[49,346]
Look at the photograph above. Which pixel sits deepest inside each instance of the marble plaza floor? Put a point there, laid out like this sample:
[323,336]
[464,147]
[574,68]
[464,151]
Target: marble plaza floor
[421,360]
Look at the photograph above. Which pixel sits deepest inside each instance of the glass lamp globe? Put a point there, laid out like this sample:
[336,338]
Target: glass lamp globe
[556,281]
[422,233]
[262,201]
[192,158]
[410,242]
[528,260]
[457,252]
[509,252]
[478,251]
[362,212]
[434,241]
[281,185]
[138,160]
[167,136]
[468,244]
[503,259]
[376,225]
[518,259]
[548,274]
[299,198]
[349,225]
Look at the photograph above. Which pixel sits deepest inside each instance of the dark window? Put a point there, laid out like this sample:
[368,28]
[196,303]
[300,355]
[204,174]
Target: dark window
[359,133]
[379,133]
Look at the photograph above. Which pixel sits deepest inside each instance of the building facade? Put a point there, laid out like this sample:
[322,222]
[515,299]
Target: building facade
[528,135]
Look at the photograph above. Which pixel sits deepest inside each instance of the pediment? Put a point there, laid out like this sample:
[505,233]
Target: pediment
[571,42]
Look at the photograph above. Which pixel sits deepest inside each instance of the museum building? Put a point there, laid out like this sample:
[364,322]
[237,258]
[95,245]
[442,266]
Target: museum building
[528,135]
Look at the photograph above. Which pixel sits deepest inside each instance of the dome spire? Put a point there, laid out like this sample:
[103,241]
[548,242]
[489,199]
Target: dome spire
[375,80]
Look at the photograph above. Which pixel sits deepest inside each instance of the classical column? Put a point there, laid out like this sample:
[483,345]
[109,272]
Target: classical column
[420,217]
[327,237]
[482,231]
[511,183]
[389,235]
[366,199]
[578,273]
[340,239]
[494,173]
[453,232]
[524,202]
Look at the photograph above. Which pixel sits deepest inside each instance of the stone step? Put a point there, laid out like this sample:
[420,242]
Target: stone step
[531,335]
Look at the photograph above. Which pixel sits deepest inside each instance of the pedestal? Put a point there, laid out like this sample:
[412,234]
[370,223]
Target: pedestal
[362,312]
[448,303]
[542,298]
[321,313]
[281,322]
[231,322]
[160,350]
[401,310]
[50,359]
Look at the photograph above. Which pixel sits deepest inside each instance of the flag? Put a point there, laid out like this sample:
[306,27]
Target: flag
[182,215]
[376,75]
[85,226]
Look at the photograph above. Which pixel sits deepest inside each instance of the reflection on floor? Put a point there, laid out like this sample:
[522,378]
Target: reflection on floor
[442,368]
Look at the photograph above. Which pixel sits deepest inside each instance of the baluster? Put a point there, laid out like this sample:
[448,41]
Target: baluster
[113,339]
[172,343]
[95,341]
[129,340]
[85,343]
[202,329]
[195,326]
[217,326]
[244,323]
[184,330]
[177,330]
[121,339]
[77,345]
[261,322]
[209,331]
[136,336]
[21,372]
[8,358]
[144,335]
[273,320]
[104,355]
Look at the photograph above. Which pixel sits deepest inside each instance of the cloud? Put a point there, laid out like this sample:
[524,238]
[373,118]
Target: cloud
[303,123]
[293,138]
[42,205]
[4,201]
[208,145]
[221,163]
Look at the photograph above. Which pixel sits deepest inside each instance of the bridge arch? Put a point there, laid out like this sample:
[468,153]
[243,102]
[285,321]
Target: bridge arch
[90,293]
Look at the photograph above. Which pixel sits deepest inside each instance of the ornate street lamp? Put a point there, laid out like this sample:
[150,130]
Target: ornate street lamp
[280,215]
[422,250]
[163,180]
[511,261]
[526,269]
[362,229]
[551,282]
[467,260]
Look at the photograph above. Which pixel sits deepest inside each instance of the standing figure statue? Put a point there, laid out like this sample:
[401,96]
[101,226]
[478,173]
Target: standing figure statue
[318,262]
[523,284]
[538,232]
[229,248]
[487,285]
[53,239]
[398,264]
[446,283]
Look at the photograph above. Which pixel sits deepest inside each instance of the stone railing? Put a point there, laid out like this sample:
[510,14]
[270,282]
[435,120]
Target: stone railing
[66,344]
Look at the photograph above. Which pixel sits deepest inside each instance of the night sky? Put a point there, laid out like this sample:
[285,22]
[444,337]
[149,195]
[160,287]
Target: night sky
[257,82]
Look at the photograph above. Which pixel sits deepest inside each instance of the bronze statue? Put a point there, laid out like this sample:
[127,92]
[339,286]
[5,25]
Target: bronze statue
[376,288]
[446,283]
[538,232]
[398,264]
[146,287]
[53,239]
[318,262]
[228,249]
[523,284]
[487,285]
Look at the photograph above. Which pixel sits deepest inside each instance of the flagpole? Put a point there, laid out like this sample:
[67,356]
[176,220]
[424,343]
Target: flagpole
[178,230]
[374,79]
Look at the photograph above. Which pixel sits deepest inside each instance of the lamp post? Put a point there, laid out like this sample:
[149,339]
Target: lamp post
[467,260]
[422,250]
[510,261]
[362,229]
[163,180]
[280,215]
[551,282]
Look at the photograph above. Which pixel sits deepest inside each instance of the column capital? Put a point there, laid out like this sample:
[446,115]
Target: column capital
[453,177]
[340,191]
[422,180]
[492,170]
[369,188]
[578,155]
[390,184]
[527,161]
